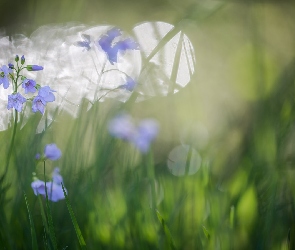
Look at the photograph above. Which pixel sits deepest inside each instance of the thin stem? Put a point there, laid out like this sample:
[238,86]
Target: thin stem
[11,142]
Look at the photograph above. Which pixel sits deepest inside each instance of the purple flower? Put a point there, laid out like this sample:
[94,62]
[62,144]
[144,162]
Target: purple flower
[85,43]
[38,104]
[44,95]
[34,67]
[122,127]
[4,73]
[29,85]
[54,190]
[141,136]
[56,177]
[52,152]
[111,48]
[10,65]
[37,156]
[129,85]
[16,101]
[146,132]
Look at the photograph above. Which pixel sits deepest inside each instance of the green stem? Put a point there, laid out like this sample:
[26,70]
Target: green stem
[11,142]
[151,177]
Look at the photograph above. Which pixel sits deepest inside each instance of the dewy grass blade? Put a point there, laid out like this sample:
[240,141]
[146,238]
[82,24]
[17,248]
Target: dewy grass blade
[74,221]
[33,231]
[166,231]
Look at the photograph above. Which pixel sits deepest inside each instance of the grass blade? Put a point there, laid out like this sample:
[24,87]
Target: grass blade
[166,231]
[74,221]
[33,231]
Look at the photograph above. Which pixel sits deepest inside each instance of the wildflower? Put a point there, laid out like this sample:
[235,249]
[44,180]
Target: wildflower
[122,127]
[37,156]
[4,73]
[129,85]
[44,95]
[29,85]
[52,152]
[85,43]
[111,48]
[145,134]
[38,104]
[10,65]
[53,188]
[56,177]
[16,101]
[34,67]
[140,136]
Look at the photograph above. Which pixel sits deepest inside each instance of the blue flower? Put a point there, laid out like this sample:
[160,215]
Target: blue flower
[4,73]
[129,85]
[29,85]
[10,65]
[122,127]
[146,133]
[56,177]
[85,43]
[44,95]
[54,187]
[52,152]
[111,48]
[16,101]
[38,104]
[34,67]
[140,136]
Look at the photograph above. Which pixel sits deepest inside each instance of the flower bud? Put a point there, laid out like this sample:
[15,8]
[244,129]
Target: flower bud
[16,58]
[34,67]
[22,60]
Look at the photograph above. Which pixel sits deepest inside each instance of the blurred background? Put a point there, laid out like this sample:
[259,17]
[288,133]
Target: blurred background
[224,158]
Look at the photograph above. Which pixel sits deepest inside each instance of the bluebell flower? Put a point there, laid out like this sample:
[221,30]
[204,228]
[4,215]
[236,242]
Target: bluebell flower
[111,48]
[16,101]
[29,85]
[54,188]
[129,85]
[52,152]
[4,74]
[44,95]
[85,43]
[121,127]
[34,67]
[146,133]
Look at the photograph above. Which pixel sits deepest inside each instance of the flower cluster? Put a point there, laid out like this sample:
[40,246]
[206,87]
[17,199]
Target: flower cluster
[141,136]
[16,99]
[53,188]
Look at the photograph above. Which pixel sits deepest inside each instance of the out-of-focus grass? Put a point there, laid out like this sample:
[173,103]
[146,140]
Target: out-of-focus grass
[242,197]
